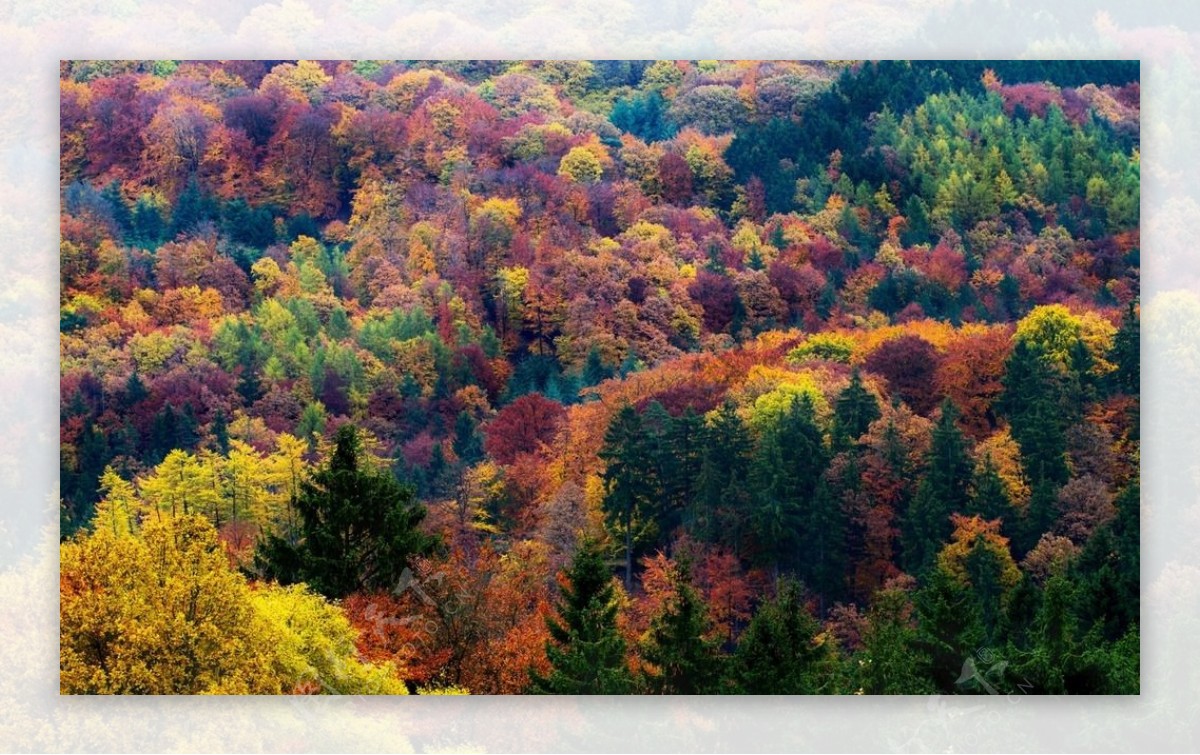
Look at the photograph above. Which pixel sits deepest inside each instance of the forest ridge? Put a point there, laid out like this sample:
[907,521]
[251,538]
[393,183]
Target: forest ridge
[600,377]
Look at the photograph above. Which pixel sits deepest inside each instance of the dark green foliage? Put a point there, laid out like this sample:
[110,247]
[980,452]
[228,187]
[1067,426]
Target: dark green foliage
[891,661]
[358,528]
[1126,355]
[951,628]
[989,497]
[787,467]
[468,442]
[631,486]
[191,209]
[782,652]
[682,458]
[1033,402]
[587,652]
[854,411]
[944,490]
[645,116]
[594,370]
[252,226]
[722,500]
[684,656]
[1108,571]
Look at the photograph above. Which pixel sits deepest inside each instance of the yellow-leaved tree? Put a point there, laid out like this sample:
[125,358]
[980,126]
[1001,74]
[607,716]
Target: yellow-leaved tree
[161,611]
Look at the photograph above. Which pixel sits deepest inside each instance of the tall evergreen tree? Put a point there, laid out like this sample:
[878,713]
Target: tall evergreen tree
[780,653]
[358,528]
[787,466]
[1126,355]
[683,444]
[1033,402]
[629,481]
[683,654]
[943,491]
[891,661]
[989,496]
[587,651]
[854,411]
[721,496]
[950,627]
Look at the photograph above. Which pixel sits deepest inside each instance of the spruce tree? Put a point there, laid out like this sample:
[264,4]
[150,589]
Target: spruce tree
[1034,405]
[854,411]
[684,446]
[629,482]
[943,491]
[724,474]
[586,652]
[891,661]
[358,528]
[990,499]
[683,655]
[951,629]
[1126,355]
[778,653]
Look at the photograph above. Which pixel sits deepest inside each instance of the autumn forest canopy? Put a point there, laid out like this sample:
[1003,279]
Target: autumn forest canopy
[665,377]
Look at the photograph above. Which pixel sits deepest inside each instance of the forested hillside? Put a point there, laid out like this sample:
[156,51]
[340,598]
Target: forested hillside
[600,377]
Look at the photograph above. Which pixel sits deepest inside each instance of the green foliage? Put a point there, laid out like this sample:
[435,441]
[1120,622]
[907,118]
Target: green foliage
[680,648]
[943,491]
[783,650]
[587,652]
[358,528]
[854,410]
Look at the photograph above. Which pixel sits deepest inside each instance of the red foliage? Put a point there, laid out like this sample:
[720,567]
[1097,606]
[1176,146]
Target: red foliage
[523,427]
[909,363]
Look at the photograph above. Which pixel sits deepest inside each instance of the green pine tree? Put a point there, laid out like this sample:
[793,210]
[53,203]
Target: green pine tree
[683,655]
[782,652]
[358,528]
[943,491]
[587,652]
[630,484]
[854,411]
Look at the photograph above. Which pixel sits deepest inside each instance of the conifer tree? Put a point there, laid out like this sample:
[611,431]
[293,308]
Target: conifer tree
[683,654]
[629,481]
[943,491]
[586,652]
[856,408]
[358,528]
[781,653]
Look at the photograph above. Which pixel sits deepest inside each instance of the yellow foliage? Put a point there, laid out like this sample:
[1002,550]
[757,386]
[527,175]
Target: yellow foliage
[968,531]
[315,644]
[160,614]
[581,165]
[150,351]
[1005,456]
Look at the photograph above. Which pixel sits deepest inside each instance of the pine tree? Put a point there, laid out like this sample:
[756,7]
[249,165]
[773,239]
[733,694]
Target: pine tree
[683,443]
[587,652]
[854,411]
[950,627]
[220,432]
[724,474]
[781,652]
[1126,355]
[891,661]
[1034,405]
[468,445]
[680,648]
[629,481]
[989,496]
[358,528]
[943,491]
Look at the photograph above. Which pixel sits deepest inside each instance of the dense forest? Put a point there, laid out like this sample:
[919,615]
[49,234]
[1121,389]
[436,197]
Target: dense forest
[660,377]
